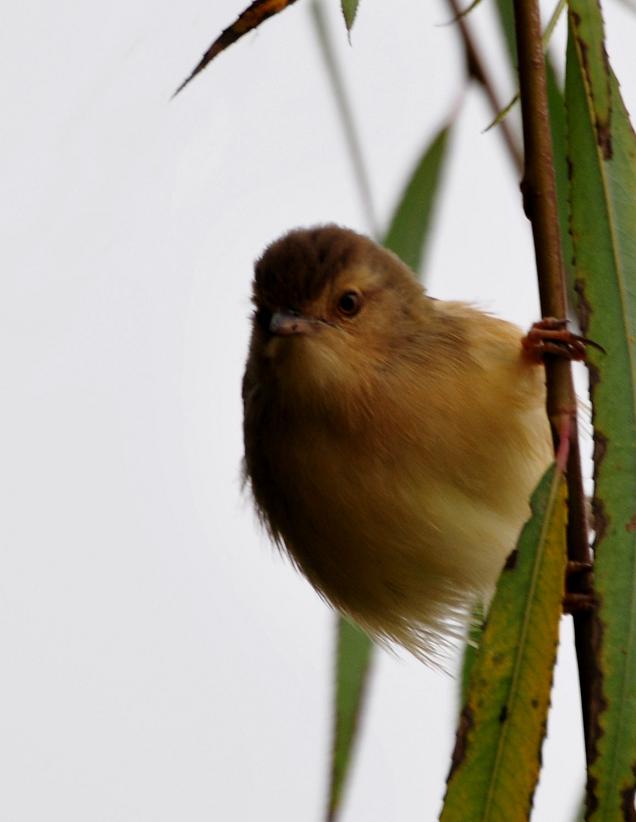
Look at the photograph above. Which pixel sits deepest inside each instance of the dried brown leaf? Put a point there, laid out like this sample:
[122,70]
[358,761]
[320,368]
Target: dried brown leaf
[248,20]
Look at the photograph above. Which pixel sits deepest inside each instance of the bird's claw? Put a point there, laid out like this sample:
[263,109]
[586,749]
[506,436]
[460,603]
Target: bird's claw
[578,574]
[576,566]
[576,603]
[551,336]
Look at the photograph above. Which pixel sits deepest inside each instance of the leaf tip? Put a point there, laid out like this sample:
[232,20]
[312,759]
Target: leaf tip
[349,11]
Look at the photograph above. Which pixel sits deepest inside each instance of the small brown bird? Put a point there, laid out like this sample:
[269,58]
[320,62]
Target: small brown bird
[392,440]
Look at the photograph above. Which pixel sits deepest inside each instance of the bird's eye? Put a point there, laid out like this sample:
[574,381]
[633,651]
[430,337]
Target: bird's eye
[349,303]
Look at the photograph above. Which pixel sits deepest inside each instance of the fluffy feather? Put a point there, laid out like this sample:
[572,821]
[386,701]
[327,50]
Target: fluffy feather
[391,452]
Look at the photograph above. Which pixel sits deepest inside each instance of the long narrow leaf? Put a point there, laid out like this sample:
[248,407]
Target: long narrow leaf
[506,16]
[249,19]
[407,237]
[410,225]
[353,661]
[586,25]
[497,754]
[349,11]
[602,158]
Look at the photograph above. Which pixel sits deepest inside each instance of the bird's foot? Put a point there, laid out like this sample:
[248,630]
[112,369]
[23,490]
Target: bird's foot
[575,603]
[582,601]
[550,336]
[576,566]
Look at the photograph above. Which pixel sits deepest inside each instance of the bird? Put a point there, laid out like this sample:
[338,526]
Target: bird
[391,440]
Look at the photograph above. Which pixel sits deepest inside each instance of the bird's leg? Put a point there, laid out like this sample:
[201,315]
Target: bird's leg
[579,591]
[550,336]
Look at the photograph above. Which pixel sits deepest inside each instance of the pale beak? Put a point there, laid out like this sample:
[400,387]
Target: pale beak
[286,323]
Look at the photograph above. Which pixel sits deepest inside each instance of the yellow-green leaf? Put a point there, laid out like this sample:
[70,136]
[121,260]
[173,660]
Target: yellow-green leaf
[603,223]
[471,648]
[497,754]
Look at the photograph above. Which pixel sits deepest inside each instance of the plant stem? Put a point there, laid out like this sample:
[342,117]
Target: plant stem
[540,204]
[476,69]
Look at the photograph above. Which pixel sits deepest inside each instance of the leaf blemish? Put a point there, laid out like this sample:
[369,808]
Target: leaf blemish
[466,722]
[604,133]
[600,519]
[600,440]
[584,307]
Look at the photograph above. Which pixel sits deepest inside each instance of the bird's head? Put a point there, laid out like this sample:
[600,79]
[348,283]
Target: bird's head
[333,310]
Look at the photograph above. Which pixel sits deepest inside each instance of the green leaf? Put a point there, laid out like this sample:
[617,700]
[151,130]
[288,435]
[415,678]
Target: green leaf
[497,754]
[506,16]
[586,24]
[410,226]
[603,221]
[353,659]
[349,11]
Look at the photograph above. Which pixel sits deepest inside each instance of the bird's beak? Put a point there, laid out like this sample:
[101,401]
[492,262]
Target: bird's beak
[286,323]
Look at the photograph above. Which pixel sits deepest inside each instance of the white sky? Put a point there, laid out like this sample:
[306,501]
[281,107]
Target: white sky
[160,662]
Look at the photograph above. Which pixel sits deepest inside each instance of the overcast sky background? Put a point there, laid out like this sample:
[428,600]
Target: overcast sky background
[159,661]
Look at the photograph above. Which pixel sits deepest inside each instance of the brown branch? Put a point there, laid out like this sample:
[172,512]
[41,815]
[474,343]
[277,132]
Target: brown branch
[476,69]
[540,204]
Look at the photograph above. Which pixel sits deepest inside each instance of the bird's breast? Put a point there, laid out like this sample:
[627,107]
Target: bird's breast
[400,503]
